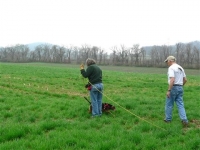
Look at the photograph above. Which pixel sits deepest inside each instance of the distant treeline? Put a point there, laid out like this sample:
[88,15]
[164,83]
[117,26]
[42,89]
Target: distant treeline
[188,55]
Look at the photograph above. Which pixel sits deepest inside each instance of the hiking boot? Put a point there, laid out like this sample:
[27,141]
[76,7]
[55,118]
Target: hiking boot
[167,121]
[185,124]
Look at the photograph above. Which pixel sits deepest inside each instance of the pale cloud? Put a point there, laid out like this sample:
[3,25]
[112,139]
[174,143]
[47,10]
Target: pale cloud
[103,23]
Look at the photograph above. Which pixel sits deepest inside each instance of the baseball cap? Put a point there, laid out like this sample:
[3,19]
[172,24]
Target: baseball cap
[170,58]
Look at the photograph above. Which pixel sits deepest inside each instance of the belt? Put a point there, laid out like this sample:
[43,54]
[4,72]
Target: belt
[177,85]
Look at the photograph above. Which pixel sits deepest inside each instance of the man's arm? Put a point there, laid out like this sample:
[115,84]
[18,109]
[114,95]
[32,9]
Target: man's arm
[171,83]
[184,80]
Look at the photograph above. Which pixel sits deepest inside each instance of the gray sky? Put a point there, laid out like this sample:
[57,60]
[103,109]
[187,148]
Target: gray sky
[102,23]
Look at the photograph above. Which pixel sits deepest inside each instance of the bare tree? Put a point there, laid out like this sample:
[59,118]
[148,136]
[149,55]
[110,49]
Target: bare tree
[114,55]
[131,55]
[61,53]
[1,53]
[179,52]
[11,51]
[38,52]
[105,58]
[16,53]
[47,53]
[155,60]
[166,51]
[32,56]
[188,54]
[68,52]
[76,54]
[4,54]
[94,52]
[122,55]
[101,56]
[136,53]
[197,57]
[85,52]
[143,53]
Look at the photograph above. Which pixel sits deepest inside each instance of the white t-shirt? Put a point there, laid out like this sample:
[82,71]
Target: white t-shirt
[178,72]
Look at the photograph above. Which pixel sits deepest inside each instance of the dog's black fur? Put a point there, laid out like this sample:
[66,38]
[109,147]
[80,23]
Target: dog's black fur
[105,106]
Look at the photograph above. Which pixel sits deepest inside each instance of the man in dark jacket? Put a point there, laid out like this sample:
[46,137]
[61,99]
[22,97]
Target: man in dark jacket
[94,75]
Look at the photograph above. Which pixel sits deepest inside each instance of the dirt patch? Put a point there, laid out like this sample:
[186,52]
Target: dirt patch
[195,122]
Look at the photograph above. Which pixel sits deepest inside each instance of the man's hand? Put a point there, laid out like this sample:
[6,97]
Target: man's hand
[168,94]
[82,66]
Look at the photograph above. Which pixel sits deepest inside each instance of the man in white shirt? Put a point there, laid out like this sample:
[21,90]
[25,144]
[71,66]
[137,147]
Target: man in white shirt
[176,80]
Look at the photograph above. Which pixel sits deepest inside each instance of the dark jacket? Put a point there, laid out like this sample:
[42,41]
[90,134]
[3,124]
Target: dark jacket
[93,73]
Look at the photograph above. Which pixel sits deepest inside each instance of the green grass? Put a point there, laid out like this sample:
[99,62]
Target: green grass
[42,107]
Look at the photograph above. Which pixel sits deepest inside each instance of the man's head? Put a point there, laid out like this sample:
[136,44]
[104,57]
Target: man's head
[90,61]
[170,60]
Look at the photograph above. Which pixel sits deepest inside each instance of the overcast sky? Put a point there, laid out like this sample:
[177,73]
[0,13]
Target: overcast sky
[102,23]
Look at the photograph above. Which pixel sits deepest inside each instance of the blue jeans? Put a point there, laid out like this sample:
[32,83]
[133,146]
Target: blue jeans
[96,99]
[176,95]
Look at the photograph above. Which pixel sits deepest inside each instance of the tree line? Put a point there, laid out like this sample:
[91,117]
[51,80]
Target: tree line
[187,55]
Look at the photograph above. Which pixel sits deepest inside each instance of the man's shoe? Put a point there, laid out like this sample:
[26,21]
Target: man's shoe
[185,124]
[167,121]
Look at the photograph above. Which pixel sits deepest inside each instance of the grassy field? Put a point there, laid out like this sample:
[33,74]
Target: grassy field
[42,106]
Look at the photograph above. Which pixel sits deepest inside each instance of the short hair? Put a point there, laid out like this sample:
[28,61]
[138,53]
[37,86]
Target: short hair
[90,61]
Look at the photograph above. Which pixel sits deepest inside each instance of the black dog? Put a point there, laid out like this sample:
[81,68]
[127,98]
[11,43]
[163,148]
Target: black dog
[105,106]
